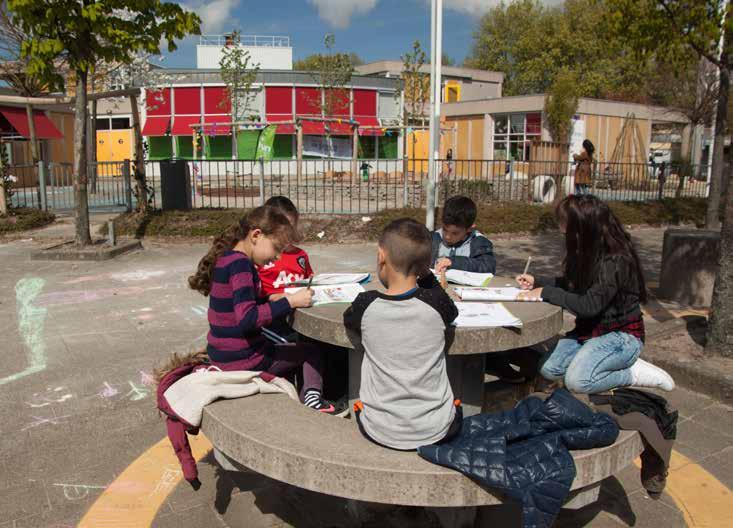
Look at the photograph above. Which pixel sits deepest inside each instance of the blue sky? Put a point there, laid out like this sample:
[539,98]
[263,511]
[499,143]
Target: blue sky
[375,29]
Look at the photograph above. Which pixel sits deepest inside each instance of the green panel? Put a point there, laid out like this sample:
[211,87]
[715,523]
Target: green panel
[367,147]
[160,147]
[388,147]
[219,147]
[283,146]
[184,144]
[247,144]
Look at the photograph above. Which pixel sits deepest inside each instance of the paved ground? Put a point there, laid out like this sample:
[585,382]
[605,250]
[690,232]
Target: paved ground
[81,433]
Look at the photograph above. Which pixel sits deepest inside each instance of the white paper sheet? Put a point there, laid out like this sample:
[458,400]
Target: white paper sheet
[466,278]
[477,314]
[341,293]
[491,294]
[330,279]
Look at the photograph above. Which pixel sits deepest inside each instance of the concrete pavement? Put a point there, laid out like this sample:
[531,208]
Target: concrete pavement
[77,408]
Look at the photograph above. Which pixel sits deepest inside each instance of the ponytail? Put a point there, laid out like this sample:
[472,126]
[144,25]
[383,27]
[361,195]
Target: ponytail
[270,221]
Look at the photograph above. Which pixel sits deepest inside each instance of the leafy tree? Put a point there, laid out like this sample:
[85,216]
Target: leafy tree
[315,61]
[238,73]
[415,84]
[447,60]
[82,34]
[561,103]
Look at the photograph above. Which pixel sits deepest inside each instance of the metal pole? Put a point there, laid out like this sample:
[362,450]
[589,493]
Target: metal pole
[436,38]
[262,180]
[42,185]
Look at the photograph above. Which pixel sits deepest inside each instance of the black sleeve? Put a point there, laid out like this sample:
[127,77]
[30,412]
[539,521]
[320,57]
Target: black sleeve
[435,248]
[354,313]
[439,300]
[482,258]
[597,298]
[428,280]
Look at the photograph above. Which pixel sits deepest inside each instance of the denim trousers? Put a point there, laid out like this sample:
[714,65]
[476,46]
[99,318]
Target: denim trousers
[596,365]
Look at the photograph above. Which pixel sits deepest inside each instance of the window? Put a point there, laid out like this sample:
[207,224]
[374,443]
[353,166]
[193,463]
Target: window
[102,124]
[120,123]
[513,134]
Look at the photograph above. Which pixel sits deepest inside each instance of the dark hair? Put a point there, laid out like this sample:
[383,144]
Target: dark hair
[588,146]
[592,232]
[269,220]
[408,245]
[460,211]
[284,205]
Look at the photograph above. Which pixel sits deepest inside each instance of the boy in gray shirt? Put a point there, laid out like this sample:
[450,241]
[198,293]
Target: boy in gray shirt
[406,399]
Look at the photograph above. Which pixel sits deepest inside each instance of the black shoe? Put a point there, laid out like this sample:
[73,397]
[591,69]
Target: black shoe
[505,373]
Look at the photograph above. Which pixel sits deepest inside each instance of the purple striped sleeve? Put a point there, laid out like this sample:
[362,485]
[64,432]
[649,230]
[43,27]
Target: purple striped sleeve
[250,315]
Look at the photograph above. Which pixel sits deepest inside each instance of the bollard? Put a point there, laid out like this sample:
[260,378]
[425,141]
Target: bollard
[42,185]
[111,238]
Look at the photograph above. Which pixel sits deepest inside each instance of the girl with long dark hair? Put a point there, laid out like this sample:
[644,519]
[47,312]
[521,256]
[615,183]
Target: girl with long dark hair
[583,167]
[228,276]
[603,285]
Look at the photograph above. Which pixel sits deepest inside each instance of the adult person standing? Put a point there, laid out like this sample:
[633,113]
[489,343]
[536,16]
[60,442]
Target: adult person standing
[583,163]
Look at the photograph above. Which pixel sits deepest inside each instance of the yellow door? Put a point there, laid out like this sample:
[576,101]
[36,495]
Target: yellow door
[417,151]
[114,145]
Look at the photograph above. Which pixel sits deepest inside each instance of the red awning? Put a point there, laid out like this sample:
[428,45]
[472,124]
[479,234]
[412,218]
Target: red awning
[157,126]
[182,125]
[278,118]
[340,129]
[18,118]
[365,123]
[314,128]
[214,125]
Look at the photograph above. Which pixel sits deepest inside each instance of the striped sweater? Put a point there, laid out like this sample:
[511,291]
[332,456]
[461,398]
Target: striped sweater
[236,315]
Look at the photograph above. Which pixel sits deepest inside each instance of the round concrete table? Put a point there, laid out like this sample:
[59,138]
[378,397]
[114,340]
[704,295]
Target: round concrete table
[466,356]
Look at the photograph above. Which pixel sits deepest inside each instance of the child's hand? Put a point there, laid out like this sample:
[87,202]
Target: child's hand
[301,299]
[525,281]
[442,265]
[531,295]
[276,297]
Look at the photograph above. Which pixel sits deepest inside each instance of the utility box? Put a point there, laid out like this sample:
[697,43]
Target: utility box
[175,185]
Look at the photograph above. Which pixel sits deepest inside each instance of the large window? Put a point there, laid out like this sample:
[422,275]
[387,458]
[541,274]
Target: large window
[513,134]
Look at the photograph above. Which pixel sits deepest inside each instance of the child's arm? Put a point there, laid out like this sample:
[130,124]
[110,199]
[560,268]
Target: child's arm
[441,302]
[251,316]
[595,299]
[482,258]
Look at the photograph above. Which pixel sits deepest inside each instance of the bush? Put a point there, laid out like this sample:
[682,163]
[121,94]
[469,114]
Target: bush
[24,219]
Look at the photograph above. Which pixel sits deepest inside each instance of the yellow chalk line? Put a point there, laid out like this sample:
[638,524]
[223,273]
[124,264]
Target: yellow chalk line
[704,501]
[136,495]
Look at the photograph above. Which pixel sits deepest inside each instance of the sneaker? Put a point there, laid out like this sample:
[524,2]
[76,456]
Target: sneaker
[645,374]
[506,373]
[342,407]
[315,401]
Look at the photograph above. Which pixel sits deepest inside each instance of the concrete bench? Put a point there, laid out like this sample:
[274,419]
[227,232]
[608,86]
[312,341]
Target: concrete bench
[281,439]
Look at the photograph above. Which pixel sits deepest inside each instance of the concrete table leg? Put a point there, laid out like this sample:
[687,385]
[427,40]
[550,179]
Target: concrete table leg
[355,358]
[466,374]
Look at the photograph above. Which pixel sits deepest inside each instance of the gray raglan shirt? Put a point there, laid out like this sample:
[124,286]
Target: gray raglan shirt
[407,398]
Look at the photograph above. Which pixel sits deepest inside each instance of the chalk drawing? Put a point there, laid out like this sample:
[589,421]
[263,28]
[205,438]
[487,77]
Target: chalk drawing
[37,421]
[146,378]
[51,396]
[200,310]
[167,481]
[80,296]
[108,391]
[74,492]
[137,393]
[139,275]
[31,321]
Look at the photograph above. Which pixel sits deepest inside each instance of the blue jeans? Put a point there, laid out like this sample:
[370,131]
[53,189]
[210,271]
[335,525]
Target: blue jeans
[598,365]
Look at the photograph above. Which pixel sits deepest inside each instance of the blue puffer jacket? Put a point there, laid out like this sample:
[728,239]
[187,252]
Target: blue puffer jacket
[524,452]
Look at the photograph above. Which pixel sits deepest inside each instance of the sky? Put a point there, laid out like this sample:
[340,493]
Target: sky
[374,29]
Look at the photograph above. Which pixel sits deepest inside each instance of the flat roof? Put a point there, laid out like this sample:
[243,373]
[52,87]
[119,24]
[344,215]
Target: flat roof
[213,75]
[586,105]
[395,68]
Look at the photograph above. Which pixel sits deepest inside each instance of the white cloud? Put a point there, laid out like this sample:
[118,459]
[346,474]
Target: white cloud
[216,16]
[479,7]
[338,13]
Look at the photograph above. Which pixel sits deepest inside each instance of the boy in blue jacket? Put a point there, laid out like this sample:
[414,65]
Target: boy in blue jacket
[458,245]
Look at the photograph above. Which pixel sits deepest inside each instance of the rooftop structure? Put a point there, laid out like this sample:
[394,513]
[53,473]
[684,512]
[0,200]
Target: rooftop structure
[271,52]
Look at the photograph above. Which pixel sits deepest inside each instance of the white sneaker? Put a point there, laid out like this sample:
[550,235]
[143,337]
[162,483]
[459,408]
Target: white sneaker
[645,374]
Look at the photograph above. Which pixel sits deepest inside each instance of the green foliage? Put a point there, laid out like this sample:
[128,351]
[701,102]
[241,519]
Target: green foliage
[531,43]
[314,62]
[561,103]
[24,219]
[447,60]
[87,32]
[238,73]
[415,83]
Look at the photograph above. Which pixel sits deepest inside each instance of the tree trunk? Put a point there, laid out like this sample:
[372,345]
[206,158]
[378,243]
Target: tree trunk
[712,217]
[83,236]
[140,183]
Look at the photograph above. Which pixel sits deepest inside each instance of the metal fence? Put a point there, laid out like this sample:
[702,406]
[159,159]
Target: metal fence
[361,187]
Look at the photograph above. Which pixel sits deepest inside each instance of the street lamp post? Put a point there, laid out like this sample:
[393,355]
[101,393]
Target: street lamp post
[436,54]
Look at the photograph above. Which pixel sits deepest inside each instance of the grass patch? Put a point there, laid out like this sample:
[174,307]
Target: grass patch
[511,217]
[24,219]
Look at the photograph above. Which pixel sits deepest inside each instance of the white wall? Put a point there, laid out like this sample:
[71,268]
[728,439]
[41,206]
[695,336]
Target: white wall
[269,58]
